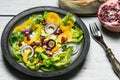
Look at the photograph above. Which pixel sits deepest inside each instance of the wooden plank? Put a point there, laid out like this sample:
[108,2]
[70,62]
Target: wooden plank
[3,23]
[13,7]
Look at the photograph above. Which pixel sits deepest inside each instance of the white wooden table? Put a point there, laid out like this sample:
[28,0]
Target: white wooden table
[96,65]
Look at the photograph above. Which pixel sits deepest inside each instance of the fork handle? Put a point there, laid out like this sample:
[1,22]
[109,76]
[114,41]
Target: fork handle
[114,62]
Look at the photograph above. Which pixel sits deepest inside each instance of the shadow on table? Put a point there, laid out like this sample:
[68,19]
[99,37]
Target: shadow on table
[115,35]
[20,76]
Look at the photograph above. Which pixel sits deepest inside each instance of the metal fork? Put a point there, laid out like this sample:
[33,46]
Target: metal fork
[97,36]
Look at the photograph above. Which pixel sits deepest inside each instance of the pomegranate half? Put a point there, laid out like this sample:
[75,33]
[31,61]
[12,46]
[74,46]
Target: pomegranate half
[109,15]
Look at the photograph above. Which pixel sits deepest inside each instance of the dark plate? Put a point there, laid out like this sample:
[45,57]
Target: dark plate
[25,14]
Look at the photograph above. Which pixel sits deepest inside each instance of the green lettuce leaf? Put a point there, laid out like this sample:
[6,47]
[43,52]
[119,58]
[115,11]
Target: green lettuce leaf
[33,66]
[62,59]
[16,52]
[16,37]
[37,18]
[77,35]
[69,16]
[48,69]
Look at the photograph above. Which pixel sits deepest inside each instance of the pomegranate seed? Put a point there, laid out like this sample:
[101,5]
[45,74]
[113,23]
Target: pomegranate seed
[28,37]
[37,44]
[49,55]
[44,22]
[119,2]
[58,32]
[20,44]
[42,38]
[63,40]
[105,7]
[119,21]
[42,43]
[32,44]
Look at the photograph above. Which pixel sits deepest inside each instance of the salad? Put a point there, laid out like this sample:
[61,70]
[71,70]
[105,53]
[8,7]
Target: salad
[46,41]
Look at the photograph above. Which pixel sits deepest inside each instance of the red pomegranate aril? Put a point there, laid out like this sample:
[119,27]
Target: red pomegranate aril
[37,43]
[58,32]
[49,55]
[119,2]
[119,21]
[32,44]
[44,22]
[105,7]
[20,44]
[42,38]
[63,40]
[42,42]
[28,37]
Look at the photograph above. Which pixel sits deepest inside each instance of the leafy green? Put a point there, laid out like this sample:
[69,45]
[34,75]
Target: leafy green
[55,58]
[45,13]
[47,62]
[77,35]
[44,56]
[48,69]
[69,16]
[58,60]
[37,18]
[37,55]
[63,58]
[31,59]
[33,66]
[64,46]
[16,37]
[44,52]
[16,52]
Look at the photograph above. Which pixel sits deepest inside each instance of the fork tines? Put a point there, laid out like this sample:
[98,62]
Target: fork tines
[94,29]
